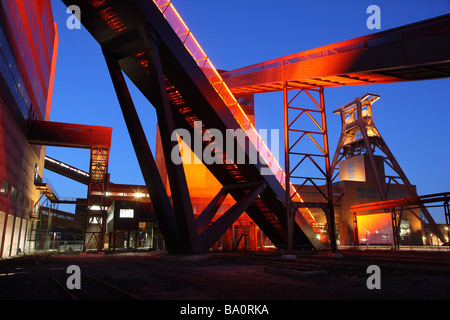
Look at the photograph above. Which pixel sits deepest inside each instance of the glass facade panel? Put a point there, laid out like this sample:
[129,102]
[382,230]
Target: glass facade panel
[5,188]
[27,46]
[11,75]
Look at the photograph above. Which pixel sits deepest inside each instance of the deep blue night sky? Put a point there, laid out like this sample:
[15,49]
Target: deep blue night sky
[411,117]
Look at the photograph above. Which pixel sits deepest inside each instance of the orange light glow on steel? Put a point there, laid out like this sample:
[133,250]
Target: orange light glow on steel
[375,228]
[340,64]
[97,3]
[179,26]
[109,16]
[112,20]
[141,57]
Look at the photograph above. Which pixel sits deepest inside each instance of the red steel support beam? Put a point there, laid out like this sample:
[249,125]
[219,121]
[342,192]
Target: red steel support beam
[204,219]
[324,168]
[410,201]
[328,175]
[213,233]
[153,181]
[417,51]
[289,215]
[187,229]
[95,219]
[68,135]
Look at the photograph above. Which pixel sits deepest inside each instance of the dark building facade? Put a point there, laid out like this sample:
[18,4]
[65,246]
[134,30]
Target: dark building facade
[28,49]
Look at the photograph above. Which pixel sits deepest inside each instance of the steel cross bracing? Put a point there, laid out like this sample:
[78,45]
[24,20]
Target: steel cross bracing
[181,232]
[202,60]
[98,140]
[95,219]
[447,215]
[307,106]
[417,51]
[399,205]
[360,136]
[160,56]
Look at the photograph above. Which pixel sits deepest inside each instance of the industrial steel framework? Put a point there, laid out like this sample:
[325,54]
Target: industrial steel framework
[360,136]
[416,51]
[396,208]
[95,219]
[177,222]
[412,52]
[98,140]
[183,233]
[297,114]
[150,43]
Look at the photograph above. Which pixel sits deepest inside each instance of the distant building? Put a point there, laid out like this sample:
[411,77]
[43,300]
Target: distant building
[357,186]
[28,47]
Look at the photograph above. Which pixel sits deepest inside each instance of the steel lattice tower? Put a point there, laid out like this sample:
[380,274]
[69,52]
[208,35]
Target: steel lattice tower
[360,136]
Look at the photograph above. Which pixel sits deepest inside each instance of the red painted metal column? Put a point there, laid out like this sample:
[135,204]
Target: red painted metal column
[316,116]
[95,220]
[447,217]
[153,181]
[328,175]
[287,170]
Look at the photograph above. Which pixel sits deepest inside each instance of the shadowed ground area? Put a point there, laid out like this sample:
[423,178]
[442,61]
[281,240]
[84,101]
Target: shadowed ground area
[157,276]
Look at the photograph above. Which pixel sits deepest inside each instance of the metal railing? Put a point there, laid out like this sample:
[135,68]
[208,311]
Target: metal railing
[211,73]
[48,183]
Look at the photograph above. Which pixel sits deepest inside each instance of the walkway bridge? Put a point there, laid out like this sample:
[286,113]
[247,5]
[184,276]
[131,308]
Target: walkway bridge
[149,43]
[69,135]
[418,51]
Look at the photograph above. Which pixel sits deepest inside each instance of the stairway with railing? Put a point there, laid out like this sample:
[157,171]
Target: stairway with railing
[187,38]
[150,43]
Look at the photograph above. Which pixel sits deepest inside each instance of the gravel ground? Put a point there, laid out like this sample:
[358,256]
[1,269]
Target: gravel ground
[155,276]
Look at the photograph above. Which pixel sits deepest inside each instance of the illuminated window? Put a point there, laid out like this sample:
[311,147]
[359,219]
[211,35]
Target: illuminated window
[351,171]
[5,188]
[126,213]
[95,220]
